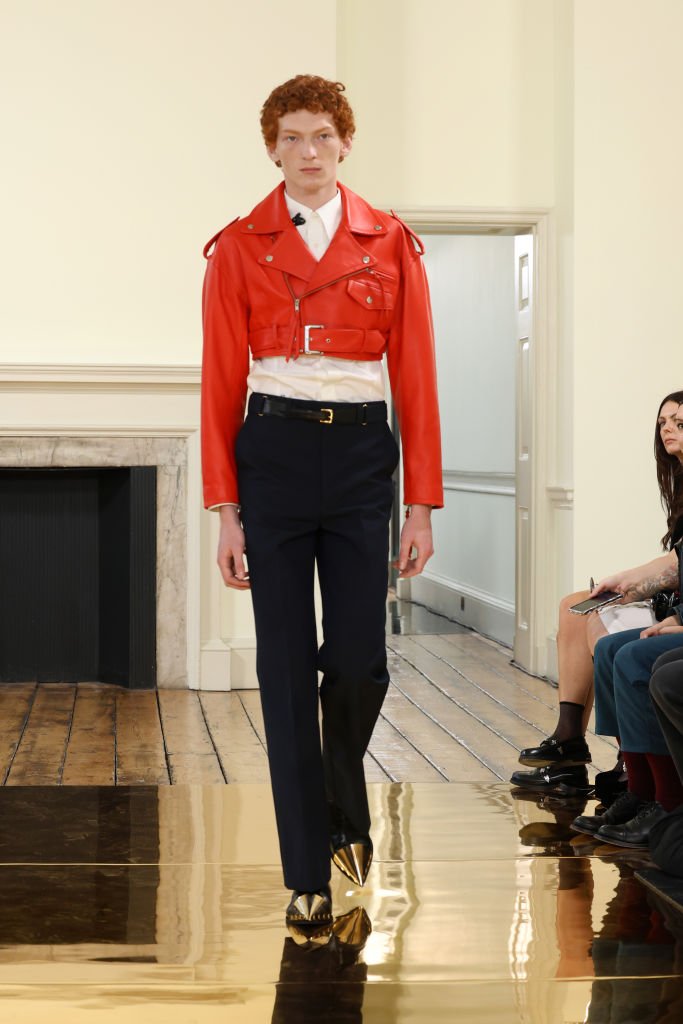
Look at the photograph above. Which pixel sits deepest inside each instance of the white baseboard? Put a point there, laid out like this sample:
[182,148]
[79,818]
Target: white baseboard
[484,612]
[229,666]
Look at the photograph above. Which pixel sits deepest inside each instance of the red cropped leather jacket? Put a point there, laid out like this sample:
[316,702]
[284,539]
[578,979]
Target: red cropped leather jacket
[265,294]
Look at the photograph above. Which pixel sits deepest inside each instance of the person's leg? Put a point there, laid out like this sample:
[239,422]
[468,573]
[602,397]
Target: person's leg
[575,666]
[278,464]
[560,758]
[606,649]
[666,691]
[649,774]
[353,558]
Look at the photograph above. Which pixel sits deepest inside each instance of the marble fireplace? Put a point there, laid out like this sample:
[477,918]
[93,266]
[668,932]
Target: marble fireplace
[126,416]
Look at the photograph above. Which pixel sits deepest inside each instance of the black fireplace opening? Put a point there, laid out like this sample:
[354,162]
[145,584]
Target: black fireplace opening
[78,575]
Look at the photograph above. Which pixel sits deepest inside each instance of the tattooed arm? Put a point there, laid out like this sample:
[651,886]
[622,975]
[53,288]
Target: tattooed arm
[645,580]
[667,580]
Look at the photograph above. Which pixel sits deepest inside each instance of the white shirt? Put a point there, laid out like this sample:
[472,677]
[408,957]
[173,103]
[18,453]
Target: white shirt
[317,377]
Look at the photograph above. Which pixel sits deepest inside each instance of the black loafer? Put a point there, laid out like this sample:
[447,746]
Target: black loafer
[567,752]
[634,833]
[610,785]
[622,810]
[310,907]
[559,780]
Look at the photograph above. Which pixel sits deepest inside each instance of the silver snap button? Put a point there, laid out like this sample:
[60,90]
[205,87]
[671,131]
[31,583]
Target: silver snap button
[378,227]
[328,340]
[269,258]
[366,259]
[250,226]
[369,299]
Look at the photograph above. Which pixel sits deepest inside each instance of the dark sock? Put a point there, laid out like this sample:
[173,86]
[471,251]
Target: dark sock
[569,722]
[641,781]
[668,788]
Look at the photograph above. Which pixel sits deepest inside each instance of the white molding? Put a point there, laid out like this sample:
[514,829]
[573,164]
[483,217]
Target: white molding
[193,558]
[108,374]
[493,616]
[561,497]
[453,219]
[457,587]
[479,482]
[98,430]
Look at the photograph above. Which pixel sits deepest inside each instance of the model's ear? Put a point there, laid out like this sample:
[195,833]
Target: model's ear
[272,153]
[346,146]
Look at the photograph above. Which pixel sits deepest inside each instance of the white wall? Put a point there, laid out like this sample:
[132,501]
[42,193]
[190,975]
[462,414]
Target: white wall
[472,286]
[628,231]
[455,100]
[131,136]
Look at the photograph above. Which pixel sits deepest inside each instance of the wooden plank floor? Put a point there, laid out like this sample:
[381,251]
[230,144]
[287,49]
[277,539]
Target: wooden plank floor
[456,710]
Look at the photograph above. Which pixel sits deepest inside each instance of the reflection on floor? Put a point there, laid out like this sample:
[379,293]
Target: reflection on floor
[166,904]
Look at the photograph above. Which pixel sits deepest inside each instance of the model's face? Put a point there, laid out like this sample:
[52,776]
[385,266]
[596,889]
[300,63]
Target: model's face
[308,147]
[670,421]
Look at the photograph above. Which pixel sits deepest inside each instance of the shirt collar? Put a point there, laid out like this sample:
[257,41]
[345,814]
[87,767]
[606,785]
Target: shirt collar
[330,213]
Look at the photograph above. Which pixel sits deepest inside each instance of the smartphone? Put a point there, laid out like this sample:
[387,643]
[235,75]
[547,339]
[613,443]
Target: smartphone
[599,601]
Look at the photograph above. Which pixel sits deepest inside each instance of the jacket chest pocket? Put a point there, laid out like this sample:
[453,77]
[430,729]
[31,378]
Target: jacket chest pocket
[371,293]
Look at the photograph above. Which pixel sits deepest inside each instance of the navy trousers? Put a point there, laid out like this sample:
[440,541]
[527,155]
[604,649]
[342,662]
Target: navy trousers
[317,494]
[623,664]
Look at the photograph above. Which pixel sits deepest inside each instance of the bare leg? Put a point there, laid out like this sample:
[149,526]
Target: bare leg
[575,665]
[594,630]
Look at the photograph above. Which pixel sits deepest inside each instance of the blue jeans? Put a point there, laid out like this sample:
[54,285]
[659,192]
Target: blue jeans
[622,668]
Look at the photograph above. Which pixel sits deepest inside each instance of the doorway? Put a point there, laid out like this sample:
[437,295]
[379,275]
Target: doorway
[490,324]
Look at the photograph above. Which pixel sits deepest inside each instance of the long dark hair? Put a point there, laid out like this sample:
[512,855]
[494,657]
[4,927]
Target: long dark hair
[669,475]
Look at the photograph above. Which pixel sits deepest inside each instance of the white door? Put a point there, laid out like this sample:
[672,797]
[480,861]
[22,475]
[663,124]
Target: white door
[524,263]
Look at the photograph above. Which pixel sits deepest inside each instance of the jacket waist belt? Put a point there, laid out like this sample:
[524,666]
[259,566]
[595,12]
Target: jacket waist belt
[316,339]
[341,413]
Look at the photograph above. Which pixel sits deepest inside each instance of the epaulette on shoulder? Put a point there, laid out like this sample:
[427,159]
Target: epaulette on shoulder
[417,242]
[212,241]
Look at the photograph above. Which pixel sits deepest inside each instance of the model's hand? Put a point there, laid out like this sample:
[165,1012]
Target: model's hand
[669,625]
[231,547]
[416,534]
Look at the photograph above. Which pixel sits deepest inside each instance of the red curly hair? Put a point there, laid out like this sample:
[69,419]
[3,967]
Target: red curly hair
[307,92]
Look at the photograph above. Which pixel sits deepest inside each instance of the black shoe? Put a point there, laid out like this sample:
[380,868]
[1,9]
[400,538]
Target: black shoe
[622,810]
[551,751]
[558,779]
[635,832]
[313,908]
[610,785]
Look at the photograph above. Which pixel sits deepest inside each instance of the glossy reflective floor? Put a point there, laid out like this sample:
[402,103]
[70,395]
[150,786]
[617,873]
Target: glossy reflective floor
[165,904]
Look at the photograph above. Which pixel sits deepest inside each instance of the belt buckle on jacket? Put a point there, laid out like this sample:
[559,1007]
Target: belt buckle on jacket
[307,338]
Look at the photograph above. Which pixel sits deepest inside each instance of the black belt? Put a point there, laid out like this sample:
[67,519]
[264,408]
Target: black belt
[345,413]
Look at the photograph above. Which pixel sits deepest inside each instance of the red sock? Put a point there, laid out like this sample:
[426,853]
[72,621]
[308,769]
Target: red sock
[641,781]
[668,788]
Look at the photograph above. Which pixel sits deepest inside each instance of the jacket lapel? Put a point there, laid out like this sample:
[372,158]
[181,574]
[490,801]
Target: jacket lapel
[287,252]
[347,253]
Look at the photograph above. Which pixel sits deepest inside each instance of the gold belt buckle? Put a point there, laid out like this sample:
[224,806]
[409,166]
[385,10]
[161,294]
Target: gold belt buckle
[330,412]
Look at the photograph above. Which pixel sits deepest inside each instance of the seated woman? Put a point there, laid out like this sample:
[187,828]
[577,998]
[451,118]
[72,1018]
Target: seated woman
[560,761]
[623,707]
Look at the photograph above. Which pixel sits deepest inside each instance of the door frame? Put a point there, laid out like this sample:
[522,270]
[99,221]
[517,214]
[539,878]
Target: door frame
[541,574]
